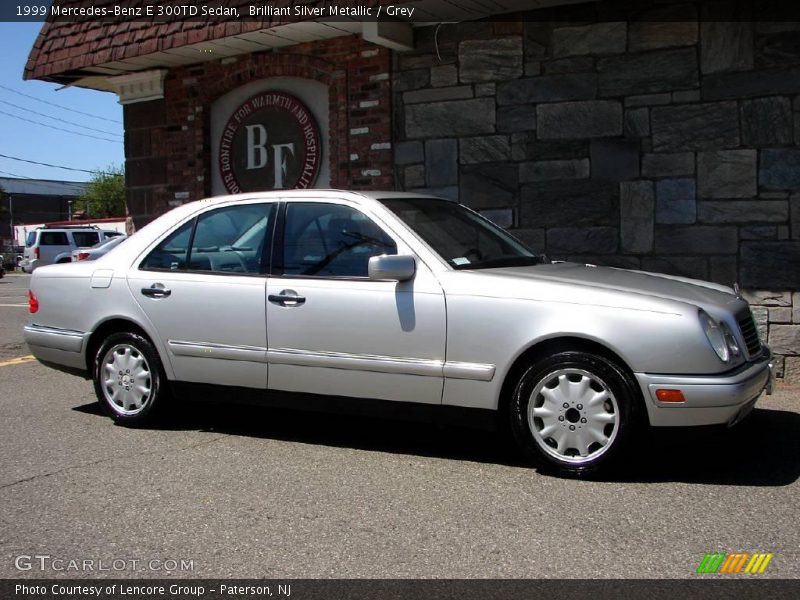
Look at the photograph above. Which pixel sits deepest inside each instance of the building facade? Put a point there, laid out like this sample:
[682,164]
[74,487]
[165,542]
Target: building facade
[664,138]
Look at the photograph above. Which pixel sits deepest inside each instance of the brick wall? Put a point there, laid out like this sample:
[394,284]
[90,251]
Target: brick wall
[669,145]
[167,141]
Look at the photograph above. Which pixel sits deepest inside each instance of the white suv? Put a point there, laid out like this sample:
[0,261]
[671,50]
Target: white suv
[50,245]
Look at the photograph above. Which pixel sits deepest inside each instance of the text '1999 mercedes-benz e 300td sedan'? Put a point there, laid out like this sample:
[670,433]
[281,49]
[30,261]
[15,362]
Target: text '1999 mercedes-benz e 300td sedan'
[333,300]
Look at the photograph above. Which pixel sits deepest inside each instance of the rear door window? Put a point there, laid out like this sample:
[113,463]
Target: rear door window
[53,238]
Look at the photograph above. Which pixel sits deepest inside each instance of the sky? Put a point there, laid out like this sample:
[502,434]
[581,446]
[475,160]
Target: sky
[39,141]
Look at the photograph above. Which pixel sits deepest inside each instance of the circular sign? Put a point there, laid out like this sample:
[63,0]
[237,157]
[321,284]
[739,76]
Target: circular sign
[271,142]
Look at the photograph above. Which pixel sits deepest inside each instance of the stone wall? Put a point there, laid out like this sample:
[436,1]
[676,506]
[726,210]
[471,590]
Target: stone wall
[665,142]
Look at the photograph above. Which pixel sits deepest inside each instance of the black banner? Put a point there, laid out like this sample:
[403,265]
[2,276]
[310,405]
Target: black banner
[739,587]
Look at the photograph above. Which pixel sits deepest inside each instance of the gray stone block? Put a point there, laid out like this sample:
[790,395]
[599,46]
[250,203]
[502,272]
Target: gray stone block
[758,232]
[547,170]
[780,168]
[485,89]
[496,59]
[569,203]
[438,94]
[490,148]
[615,160]
[781,314]
[407,153]
[578,64]
[637,209]
[726,174]
[696,239]
[668,165]
[743,211]
[778,49]
[548,88]
[695,126]
[766,121]
[637,122]
[794,215]
[663,28]
[599,118]
[768,297]
[444,75]
[685,96]
[441,162]
[582,240]
[648,100]
[751,83]
[761,318]
[554,149]
[785,339]
[774,265]
[676,201]
[489,185]
[414,177]
[695,267]
[600,38]
[464,117]
[511,119]
[664,70]
[411,80]
[726,46]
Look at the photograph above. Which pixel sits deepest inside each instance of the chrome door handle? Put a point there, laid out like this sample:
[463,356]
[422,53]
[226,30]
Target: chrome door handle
[156,290]
[287,298]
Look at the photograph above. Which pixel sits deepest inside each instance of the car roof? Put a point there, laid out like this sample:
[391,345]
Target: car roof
[357,196]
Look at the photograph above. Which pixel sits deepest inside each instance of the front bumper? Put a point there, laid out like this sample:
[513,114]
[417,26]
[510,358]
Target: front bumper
[710,399]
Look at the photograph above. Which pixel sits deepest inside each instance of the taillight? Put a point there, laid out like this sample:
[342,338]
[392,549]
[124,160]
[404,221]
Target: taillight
[33,303]
[36,252]
[83,255]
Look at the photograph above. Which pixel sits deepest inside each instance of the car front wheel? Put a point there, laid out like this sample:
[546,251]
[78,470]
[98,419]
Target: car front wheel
[574,411]
[129,380]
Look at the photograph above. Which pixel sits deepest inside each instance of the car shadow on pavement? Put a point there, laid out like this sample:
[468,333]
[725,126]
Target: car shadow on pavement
[764,450]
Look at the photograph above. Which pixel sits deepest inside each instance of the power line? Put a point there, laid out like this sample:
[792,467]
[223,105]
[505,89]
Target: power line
[33,112]
[59,128]
[59,105]
[42,164]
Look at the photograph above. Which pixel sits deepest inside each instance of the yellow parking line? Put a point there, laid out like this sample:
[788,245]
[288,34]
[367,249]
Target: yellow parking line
[17,361]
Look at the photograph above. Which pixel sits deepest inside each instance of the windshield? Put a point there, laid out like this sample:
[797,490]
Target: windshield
[460,236]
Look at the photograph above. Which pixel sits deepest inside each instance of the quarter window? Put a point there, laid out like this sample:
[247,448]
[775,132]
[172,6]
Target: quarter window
[84,239]
[330,240]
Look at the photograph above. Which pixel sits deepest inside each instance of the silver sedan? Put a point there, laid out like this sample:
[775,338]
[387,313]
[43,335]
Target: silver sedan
[401,303]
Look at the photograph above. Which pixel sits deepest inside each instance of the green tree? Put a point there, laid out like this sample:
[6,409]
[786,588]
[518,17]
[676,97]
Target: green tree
[105,194]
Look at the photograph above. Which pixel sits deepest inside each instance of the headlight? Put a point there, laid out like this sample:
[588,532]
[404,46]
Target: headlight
[733,345]
[715,336]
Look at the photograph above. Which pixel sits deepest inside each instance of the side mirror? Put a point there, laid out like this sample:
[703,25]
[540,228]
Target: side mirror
[392,267]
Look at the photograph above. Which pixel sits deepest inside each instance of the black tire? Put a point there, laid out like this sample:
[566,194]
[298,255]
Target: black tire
[595,400]
[64,260]
[137,374]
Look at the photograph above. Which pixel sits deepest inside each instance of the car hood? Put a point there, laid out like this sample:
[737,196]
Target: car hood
[669,287]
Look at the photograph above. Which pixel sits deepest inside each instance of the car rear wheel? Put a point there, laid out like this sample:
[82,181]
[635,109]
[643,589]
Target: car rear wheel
[573,411]
[129,380]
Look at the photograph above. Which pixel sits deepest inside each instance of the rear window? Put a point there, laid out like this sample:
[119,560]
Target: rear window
[53,238]
[31,239]
[85,238]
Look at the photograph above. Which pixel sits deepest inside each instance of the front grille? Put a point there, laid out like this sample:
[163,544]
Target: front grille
[749,332]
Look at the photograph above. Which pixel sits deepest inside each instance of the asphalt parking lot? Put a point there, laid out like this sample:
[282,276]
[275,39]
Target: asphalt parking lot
[250,492]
